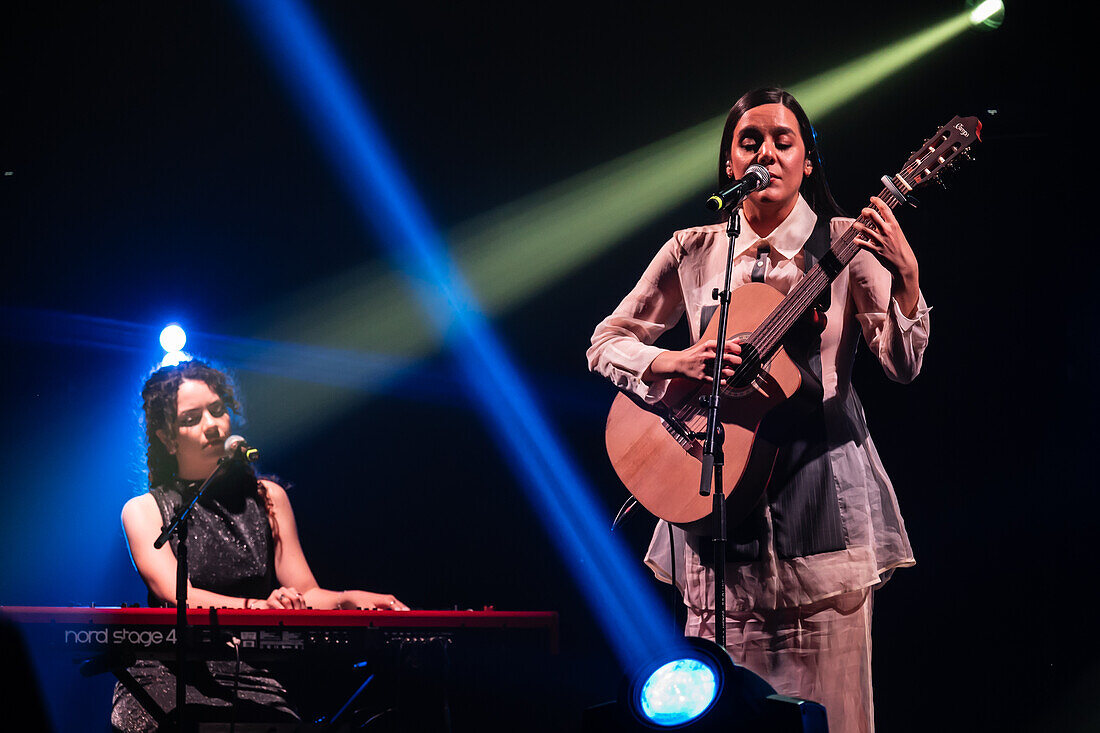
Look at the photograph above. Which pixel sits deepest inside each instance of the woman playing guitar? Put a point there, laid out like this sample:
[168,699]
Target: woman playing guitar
[803,564]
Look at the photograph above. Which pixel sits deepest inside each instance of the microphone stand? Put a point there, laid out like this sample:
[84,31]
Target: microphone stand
[178,525]
[714,437]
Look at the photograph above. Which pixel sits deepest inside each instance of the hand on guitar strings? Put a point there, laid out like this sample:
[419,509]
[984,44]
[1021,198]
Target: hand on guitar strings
[886,241]
[695,362]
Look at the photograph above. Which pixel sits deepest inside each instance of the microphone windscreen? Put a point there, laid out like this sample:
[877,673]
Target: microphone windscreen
[762,173]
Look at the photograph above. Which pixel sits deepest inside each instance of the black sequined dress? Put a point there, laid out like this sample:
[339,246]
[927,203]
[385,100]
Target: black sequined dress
[231,551]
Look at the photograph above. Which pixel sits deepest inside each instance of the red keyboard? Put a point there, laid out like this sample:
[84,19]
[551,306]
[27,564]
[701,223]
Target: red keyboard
[150,632]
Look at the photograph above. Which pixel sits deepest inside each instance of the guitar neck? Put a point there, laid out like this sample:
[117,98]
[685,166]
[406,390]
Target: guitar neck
[770,334]
[937,154]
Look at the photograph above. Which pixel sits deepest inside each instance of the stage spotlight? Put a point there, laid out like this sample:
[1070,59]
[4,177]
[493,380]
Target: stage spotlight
[174,357]
[678,692]
[696,687]
[173,338]
[990,13]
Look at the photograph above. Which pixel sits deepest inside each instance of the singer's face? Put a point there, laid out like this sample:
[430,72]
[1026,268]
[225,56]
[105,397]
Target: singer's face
[768,135]
[201,427]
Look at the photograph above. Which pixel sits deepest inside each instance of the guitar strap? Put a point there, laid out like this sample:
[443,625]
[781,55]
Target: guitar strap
[801,494]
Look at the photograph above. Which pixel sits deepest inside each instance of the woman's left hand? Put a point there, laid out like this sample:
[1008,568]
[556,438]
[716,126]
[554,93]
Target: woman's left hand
[887,242]
[375,601]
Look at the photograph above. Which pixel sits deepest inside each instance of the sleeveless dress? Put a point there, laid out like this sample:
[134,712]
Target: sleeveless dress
[230,551]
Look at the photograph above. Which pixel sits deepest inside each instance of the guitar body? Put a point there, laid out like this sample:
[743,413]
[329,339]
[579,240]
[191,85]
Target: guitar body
[663,473]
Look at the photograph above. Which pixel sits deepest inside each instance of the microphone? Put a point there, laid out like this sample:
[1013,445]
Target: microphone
[755,179]
[236,447]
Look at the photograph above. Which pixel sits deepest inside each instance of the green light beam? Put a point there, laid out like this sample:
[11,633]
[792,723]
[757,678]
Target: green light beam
[517,250]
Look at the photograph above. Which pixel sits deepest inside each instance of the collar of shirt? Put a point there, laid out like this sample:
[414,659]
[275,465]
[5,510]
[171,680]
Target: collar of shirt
[788,237]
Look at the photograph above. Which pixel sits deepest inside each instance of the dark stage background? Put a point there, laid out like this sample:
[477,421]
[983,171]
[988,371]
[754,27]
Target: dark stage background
[154,169]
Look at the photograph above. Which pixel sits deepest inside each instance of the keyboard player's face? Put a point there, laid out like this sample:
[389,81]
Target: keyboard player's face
[202,425]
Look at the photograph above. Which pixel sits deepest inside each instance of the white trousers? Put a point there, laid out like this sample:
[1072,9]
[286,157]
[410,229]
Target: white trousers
[820,652]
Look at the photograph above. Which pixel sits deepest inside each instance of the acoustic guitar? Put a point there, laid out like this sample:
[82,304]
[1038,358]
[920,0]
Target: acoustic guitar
[656,450]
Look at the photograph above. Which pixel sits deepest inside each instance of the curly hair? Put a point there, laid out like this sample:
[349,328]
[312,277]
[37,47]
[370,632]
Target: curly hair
[815,189]
[158,397]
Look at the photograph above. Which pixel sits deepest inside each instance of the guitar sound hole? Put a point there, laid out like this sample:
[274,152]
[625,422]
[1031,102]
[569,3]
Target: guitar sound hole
[748,372]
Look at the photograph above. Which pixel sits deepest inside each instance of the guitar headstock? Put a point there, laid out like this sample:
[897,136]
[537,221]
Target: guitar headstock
[939,151]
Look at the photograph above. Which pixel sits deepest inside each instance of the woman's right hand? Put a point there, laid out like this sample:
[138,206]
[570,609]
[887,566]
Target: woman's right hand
[282,598]
[694,362]
[376,601]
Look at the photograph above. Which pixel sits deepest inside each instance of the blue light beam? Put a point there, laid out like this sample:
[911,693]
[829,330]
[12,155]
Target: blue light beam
[345,129]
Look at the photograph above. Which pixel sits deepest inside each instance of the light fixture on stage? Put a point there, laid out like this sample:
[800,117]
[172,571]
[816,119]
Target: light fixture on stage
[172,339]
[671,694]
[990,13]
[696,687]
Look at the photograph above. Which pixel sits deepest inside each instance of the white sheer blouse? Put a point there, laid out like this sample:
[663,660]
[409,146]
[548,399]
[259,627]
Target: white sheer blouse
[679,282]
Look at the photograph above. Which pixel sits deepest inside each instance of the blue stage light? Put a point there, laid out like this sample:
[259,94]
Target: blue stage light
[679,692]
[694,685]
[173,338]
[346,130]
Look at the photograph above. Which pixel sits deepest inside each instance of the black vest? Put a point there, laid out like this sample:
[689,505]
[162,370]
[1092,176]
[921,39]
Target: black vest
[802,493]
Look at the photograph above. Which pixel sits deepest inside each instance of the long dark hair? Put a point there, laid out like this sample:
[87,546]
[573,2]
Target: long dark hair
[814,188]
[158,398]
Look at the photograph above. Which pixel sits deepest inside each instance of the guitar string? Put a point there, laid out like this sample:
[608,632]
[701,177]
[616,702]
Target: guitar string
[810,287]
[771,331]
[767,336]
[805,292]
[776,325]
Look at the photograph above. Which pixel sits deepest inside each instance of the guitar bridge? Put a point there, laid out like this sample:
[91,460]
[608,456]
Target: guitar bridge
[679,432]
